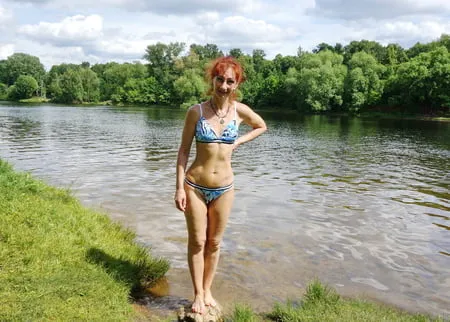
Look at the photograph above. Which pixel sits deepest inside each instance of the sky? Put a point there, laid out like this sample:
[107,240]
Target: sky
[99,31]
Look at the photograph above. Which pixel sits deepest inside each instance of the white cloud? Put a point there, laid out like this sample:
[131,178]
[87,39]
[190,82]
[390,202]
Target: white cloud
[406,32]
[6,17]
[71,31]
[60,31]
[248,34]
[378,9]
[6,50]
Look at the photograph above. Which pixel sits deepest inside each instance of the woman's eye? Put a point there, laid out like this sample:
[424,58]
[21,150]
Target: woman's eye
[220,79]
[230,82]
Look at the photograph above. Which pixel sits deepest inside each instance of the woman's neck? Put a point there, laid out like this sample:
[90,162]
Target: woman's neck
[221,103]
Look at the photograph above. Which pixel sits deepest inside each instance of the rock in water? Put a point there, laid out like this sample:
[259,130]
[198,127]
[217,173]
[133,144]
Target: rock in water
[212,314]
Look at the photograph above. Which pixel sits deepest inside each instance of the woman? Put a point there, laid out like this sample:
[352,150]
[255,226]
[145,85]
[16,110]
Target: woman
[205,191]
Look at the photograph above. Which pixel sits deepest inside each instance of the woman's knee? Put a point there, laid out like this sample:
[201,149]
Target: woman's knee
[213,244]
[197,244]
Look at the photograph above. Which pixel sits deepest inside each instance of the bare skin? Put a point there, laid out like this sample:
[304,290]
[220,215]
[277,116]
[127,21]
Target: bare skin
[206,223]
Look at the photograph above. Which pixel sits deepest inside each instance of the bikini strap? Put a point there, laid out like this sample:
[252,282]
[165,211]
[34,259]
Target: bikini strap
[235,113]
[200,108]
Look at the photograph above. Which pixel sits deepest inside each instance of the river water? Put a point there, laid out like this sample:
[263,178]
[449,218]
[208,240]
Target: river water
[363,204]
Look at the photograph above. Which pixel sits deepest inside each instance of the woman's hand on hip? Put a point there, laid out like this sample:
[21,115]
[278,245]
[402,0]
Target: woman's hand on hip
[180,199]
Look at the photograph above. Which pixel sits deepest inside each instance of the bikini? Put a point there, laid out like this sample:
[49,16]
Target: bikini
[204,133]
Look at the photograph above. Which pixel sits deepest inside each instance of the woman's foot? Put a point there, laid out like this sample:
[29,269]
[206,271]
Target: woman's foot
[209,300]
[198,306]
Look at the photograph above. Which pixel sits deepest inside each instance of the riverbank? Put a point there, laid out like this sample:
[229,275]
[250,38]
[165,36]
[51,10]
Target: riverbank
[60,261]
[321,303]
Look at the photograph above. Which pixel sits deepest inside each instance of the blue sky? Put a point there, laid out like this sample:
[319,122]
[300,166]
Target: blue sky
[74,31]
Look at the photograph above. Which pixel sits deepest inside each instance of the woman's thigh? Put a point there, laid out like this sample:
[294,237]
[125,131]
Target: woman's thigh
[218,213]
[196,214]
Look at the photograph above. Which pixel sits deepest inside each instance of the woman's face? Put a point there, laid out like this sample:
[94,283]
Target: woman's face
[225,84]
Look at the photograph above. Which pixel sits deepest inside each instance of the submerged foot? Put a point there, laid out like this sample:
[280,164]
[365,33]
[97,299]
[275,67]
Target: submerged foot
[209,300]
[198,306]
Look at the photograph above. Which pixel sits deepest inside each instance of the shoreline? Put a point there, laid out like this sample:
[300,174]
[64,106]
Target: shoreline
[73,258]
[369,113]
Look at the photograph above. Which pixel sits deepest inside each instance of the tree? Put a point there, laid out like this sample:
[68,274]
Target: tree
[69,87]
[423,81]
[116,75]
[236,52]
[25,87]
[321,47]
[22,64]
[91,85]
[161,62]
[190,87]
[3,91]
[141,91]
[370,47]
[363,86]
[319,85]
[208,52]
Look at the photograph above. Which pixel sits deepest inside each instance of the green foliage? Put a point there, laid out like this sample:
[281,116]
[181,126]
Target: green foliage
[25,87]
[321,303]
[3,91]
[422,81]
[190,87]
[21,64]
[363,85]
[207,52]
[69,87]
[319,85]
[243,313]
[62,262]
[351,78]
[141,91]
[91,85]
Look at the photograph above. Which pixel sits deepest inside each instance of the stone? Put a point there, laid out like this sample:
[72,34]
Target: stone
[211,314]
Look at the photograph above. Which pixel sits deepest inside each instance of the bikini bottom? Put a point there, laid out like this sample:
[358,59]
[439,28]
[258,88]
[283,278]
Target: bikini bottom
[209,194]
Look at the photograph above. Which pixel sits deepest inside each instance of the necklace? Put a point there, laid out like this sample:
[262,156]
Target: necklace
[220,117]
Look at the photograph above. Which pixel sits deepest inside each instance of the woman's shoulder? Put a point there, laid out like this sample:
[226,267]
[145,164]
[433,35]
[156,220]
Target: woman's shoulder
[242,108]
[193,113]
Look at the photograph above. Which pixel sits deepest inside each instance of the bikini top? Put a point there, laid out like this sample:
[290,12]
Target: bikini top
[204,133]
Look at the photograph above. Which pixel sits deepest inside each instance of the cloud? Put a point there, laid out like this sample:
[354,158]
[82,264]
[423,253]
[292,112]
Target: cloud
[6,18]
[407,33]
[164,7]
[6,50]
[377,9]
[247,34]
[72,31]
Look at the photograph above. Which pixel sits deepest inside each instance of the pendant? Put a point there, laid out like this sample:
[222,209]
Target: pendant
[221,121]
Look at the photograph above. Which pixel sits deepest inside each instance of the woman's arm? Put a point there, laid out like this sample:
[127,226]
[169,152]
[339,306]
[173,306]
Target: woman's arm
[183,156]
[253,120]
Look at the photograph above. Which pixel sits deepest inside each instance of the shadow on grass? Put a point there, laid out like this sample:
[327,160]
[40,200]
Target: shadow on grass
[124,271]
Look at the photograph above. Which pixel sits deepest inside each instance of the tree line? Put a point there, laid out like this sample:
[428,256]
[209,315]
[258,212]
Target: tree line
[353,78]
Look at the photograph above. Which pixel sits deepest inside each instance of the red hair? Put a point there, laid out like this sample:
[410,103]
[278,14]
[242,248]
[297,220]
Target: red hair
[219,66]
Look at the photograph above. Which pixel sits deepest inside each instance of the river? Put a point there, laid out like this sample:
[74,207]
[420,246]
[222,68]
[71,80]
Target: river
[363,204]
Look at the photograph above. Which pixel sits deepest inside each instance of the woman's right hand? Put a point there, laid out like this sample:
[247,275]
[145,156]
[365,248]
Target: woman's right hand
[180,199]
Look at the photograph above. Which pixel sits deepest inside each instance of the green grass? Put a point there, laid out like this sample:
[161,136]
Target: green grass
[35,99]
[61,261]
[321,303]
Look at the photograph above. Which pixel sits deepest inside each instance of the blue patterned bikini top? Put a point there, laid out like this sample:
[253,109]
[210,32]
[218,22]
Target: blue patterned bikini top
[204,133]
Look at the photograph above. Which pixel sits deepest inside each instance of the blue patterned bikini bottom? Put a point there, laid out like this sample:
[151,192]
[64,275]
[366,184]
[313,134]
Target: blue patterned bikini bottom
[209,194]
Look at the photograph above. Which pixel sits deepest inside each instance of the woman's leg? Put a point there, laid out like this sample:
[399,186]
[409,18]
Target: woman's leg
[196,222]
[218,213]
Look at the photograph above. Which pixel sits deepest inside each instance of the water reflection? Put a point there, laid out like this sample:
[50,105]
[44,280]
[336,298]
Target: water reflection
[361,203]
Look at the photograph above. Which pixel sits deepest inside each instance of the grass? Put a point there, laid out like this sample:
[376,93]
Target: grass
[35,99]
[61,261]
[321,303]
